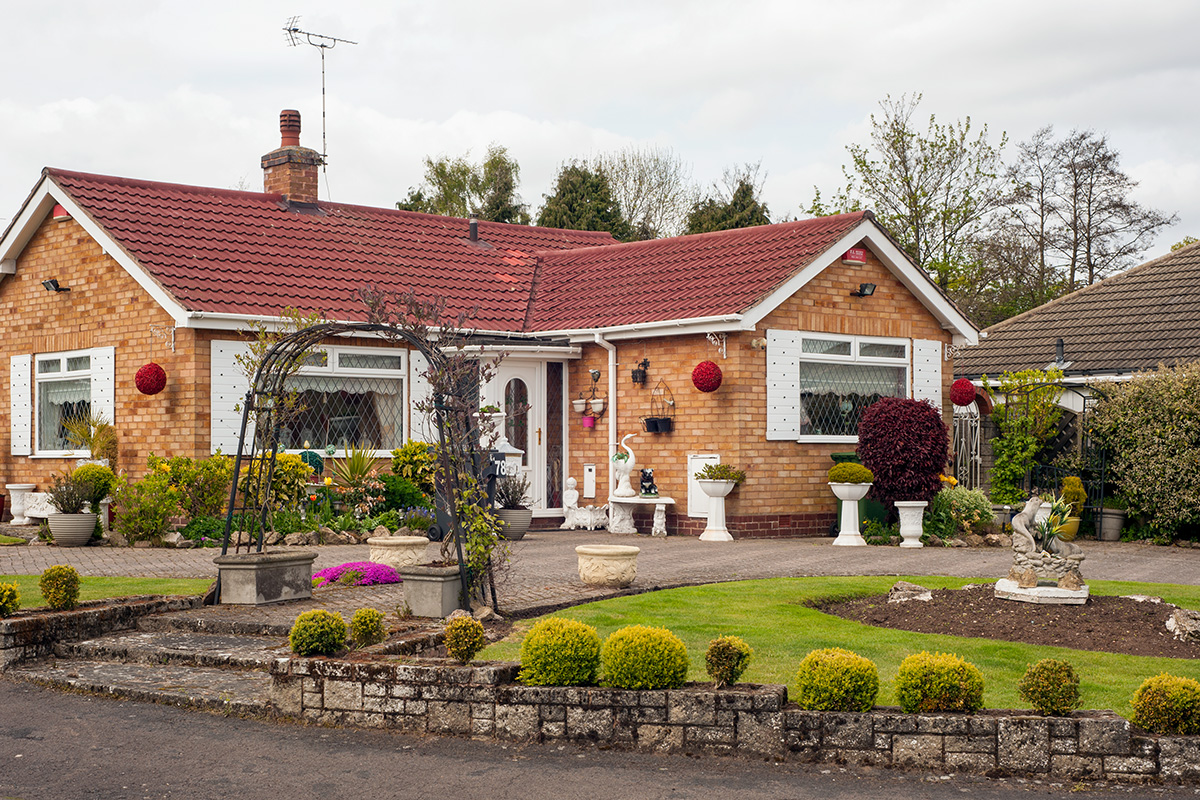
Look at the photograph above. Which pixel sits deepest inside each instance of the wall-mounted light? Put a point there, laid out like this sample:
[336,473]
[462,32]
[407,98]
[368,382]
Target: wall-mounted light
[639,372]
[864,290]
[52,286]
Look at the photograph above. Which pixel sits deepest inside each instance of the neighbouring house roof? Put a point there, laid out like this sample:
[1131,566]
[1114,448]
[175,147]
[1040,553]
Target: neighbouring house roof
[208,253]
[1134,321]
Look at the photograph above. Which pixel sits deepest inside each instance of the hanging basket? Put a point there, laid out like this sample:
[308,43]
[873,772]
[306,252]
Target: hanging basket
[706,376]
[150,379]
[962,392]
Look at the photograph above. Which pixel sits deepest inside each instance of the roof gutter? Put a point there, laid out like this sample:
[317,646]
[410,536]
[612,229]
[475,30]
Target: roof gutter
[612,405]
[731,321]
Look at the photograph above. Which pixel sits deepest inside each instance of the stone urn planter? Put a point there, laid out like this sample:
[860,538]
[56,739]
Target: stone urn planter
[911,514]
[717,491]
[613,566]
[18,492]
[850,494]
[432,591]
[72,530]
[397,551]
[1112,520]
[258,579]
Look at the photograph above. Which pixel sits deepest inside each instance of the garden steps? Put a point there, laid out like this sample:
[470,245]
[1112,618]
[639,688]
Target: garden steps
[214,650]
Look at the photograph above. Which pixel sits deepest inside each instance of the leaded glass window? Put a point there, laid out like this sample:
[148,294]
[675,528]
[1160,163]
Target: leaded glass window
[840,376]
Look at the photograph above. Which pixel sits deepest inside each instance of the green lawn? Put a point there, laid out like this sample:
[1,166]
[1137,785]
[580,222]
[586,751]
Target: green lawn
[771,616]
[92,588]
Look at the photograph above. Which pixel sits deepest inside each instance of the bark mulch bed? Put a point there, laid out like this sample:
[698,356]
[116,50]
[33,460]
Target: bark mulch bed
[1106,624]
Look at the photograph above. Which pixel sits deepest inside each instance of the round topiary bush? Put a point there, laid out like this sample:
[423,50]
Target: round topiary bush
[464,637]
[905,444]
[938,682]
[726,659]
[317,632]
[367,628]
[1168,704]
[10,599]
[641,657]
[560,652]
[1051,687]
[59,586]
[834,679]
[849,472]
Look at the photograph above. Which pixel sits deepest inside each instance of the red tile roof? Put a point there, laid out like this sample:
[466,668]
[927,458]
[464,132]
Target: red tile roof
[237,252]
[704,275]
[225,251]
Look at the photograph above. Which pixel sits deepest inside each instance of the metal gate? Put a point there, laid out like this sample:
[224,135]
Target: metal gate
[967,459]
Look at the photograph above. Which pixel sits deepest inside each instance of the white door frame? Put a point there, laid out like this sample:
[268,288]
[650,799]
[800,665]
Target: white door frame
[533,373]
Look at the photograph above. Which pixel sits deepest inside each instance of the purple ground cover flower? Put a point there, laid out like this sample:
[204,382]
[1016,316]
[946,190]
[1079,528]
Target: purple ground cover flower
[372,573]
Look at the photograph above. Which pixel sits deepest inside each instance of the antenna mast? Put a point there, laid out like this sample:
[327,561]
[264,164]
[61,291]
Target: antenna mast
[293,33]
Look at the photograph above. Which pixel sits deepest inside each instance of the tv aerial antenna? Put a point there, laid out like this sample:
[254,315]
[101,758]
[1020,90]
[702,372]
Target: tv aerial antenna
[291,30]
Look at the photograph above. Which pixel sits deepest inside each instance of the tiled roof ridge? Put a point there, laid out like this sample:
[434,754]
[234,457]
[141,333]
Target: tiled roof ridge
[55,172]
[1109,281]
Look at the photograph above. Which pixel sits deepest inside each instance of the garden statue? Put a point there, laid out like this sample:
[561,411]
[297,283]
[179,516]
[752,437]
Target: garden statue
[1040,553]
[574,517]
[623,466]
[649,489]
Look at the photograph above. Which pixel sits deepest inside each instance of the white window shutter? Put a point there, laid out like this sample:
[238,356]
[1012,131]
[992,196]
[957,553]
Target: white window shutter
[104,389]
[20,404]
[927,371]
[419,426]
[783,385]
[228,393]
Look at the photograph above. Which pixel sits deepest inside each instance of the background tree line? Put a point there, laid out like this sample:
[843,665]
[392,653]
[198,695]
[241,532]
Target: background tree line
[998,237]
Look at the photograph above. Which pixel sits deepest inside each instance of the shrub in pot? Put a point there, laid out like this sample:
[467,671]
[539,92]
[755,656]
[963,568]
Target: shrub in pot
[512,501]
[74,524]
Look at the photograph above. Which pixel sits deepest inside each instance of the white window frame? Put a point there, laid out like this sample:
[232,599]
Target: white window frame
[39,380]
[855,357]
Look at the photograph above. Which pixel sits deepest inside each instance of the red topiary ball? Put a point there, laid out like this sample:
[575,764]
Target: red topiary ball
[707,376]
[150,379]
[962,392]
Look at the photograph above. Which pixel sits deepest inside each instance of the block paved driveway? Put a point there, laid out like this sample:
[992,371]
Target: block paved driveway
[542,573]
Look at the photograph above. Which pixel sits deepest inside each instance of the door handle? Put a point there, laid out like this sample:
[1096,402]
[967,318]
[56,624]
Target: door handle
[539,436]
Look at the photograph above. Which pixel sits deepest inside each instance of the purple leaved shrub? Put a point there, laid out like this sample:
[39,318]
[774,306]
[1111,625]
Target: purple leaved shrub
[905,444]
[371,572]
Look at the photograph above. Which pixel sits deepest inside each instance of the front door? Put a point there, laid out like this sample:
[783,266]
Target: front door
[521,385]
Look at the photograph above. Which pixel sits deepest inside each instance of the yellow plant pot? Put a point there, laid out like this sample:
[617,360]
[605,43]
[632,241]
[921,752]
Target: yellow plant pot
[1069,529]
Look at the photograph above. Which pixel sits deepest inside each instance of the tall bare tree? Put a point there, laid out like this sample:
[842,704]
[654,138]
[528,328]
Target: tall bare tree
[654,187]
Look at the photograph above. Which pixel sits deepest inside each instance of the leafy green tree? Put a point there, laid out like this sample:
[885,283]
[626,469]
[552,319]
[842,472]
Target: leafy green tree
[583,201]
[734,203]
[1184,242]
[1027,419]
[455,187]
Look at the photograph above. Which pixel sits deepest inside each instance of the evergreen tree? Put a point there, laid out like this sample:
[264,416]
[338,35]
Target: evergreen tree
[583,201]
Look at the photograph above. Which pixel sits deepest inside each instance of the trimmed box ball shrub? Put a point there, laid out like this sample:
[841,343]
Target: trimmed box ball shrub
[905,444]
[834,679]
[726,659]
[1051,687]
[1168,704]
[849,472]
[10,599]
[366,627]
[642,657]
[59,586]
[464,637]
[560,652]
[938,682]
[317,633]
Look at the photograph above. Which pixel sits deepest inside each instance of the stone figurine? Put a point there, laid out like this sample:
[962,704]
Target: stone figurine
[588,517]
[623,466]
[649,488]
[1054,560]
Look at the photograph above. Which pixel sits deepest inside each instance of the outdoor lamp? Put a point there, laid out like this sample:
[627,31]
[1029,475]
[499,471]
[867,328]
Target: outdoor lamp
[864,290]
[52,286]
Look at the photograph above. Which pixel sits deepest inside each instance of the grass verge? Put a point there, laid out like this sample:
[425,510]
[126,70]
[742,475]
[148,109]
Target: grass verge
[772,616]
[98,588]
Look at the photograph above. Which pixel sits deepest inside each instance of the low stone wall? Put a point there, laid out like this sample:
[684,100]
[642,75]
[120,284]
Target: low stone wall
[745,720]
[32,634]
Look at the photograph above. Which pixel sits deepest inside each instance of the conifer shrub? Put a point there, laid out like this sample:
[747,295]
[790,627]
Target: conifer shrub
[938,682]
[560,652]
[367,628]
[642,657]
[726,659]
[317,633]
[464,637]
[905,444]
[1051,687]
[59,586]
[835,679]
[1168,704]
[10,599]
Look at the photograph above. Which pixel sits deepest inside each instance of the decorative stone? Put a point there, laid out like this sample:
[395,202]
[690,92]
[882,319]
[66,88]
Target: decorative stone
[263,578]
[1072,581]
[903,591]
[1059,558]
[37,506]
[1045,594]
[1185,624]
[1028,579]
[613,566]
[397,551]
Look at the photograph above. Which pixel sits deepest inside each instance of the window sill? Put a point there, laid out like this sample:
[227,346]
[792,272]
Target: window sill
[60,454]
[827,440]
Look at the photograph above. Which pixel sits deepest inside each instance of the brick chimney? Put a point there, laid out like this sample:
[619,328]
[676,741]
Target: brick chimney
[291,170]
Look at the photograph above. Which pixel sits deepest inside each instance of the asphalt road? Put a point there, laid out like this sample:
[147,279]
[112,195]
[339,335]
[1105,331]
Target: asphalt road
[64,746]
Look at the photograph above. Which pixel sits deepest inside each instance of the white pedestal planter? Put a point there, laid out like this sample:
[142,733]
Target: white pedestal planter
[912,512]
[715,530]
[850,494]
[17,492]
[610,565]
[398,551]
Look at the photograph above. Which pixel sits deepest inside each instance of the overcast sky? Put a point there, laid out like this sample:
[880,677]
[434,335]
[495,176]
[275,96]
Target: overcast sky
[191,92]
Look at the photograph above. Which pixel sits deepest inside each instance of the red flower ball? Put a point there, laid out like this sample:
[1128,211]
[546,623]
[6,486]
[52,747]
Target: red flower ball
[962,392]
[150,379]
[707,376]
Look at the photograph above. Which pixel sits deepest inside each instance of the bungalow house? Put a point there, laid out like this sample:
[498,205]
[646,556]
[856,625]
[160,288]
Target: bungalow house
[806,321]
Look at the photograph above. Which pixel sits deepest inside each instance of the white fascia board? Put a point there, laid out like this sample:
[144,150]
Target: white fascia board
[637,330]
[517,351]
[897,262]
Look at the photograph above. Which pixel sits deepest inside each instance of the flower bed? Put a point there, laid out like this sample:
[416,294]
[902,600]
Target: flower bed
[369,574]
